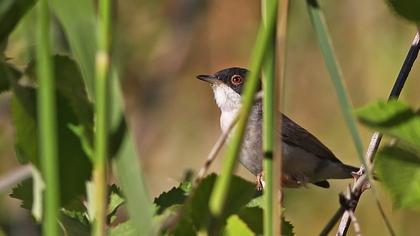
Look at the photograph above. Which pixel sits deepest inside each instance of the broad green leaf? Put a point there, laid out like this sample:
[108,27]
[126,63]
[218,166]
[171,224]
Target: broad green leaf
[399,171]
[240,194]
[392,118]
[70,85]
[235,226]
[11,11]
[74,164]
[408,9]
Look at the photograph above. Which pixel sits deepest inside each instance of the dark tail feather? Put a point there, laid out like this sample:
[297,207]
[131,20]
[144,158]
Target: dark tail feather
[322,184]
[351,168]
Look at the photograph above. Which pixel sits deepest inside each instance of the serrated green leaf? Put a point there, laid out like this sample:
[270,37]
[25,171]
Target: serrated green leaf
[74,223]
[287,228]
[166,199]
[399,171]
[253,217]
[392,118]
[23,192]
[235,226]
[408,9]
[11,11]
[116,199]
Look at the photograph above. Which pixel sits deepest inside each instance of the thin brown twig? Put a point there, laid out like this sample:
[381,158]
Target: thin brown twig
[214,151]
[356,225]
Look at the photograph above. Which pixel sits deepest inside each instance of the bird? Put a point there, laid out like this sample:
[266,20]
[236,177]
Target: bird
[306,160]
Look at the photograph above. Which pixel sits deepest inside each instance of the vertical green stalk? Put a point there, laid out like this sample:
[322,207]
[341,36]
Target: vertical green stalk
[318,22]
[221,188]
[47,120]
[269,127]
[102,115]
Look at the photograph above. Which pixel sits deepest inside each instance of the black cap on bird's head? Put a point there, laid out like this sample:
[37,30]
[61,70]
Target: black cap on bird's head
[233,77]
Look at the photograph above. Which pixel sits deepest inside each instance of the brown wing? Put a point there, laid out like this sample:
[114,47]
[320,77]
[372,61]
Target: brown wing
[293,134]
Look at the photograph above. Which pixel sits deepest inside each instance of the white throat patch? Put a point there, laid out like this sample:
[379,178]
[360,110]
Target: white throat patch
[229,103]
[226,98]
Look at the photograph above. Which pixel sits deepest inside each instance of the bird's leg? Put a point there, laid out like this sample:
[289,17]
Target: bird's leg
[260,181]
[356,175]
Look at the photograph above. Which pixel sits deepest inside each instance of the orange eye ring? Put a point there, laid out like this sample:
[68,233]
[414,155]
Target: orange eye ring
[236,79]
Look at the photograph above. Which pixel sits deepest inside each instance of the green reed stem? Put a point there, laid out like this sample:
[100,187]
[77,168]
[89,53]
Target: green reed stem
[269,128]
[47,121]
[102,115]
[221,188]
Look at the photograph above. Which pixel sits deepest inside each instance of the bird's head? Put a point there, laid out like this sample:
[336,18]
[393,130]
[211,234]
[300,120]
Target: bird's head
[227,86]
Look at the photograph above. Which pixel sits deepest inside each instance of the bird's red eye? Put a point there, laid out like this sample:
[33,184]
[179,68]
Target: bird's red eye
[236,79]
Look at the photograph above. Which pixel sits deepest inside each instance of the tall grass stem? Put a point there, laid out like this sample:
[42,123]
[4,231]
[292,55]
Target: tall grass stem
[269,128]
[47,121]
[102,112]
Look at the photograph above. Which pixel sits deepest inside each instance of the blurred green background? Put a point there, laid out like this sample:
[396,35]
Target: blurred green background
[162,45]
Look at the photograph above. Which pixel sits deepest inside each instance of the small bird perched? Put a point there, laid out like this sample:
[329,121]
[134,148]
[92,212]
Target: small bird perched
[305,158]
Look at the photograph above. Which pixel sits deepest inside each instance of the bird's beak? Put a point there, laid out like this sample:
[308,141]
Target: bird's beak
[208,78]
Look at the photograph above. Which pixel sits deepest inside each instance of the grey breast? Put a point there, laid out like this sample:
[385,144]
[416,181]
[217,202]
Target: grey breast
[251,152]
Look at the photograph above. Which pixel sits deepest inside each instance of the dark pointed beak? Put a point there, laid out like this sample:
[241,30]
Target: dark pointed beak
[208,78]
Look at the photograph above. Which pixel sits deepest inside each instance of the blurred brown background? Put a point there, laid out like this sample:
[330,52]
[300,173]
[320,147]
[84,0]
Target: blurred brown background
[162,45]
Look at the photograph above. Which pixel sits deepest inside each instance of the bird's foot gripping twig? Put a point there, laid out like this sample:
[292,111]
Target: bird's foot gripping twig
[260,181]
[357,174]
